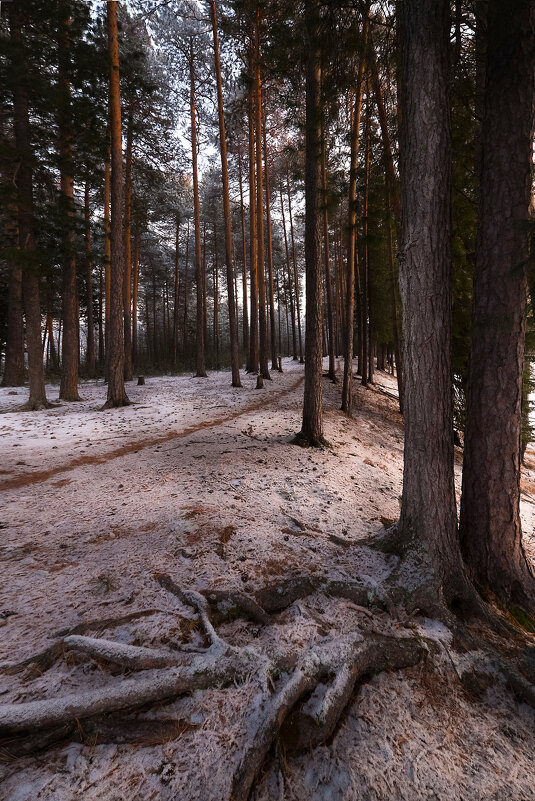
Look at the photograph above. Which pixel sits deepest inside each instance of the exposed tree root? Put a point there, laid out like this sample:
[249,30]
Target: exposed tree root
[304,709]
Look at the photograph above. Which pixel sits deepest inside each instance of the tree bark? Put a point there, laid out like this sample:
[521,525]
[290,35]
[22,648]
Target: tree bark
[115,356]
[134,298]
[490,518]
[428,514]
[312,427]
[294,259]
[252,362]
[70,354]
[26,217]
[365,294]
[273,330]
[290,281]
[176,295]
[229,263]
[245,314]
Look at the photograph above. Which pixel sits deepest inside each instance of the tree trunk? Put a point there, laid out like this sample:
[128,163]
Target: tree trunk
[199,332]
[90,356]
[252,362]
[365,295]
[428,515]
[273,330]
[186,268]
[127,292]
[115,356]
[490,517]
[176,295]
[26,218]
[70,354]
[107,253]
[100,317]
[347,388]
[233,321]
[245,315]
[216,297]
[312,427]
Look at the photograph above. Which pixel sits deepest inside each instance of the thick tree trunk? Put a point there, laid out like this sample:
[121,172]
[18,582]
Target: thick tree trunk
[70,355]
[490,517]
[347,388]
[428,515]
[273,331]
[229,262]
[127,291]
[199,331]
[90,356]
[312,427]
[26,218]
[115,356]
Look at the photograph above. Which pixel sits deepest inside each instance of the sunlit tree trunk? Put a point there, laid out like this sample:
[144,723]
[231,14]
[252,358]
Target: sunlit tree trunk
[273,330]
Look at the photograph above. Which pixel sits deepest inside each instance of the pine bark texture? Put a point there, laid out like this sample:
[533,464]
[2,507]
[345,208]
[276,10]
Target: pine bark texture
[490,518]
[127,288]
[428,514]
[90,356]
[312,427]
[115,341]
[199,330]
[262,321]
[71,336]
[26,217]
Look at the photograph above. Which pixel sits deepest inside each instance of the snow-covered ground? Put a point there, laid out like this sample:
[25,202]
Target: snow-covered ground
[200,481]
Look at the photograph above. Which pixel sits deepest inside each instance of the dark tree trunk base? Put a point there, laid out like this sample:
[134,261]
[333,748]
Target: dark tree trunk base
[116,404]
[308,441]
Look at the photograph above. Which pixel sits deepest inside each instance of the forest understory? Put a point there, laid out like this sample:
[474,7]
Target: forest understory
[119,520]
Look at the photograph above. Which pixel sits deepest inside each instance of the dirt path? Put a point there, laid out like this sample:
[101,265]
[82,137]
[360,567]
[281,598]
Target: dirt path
[18,481]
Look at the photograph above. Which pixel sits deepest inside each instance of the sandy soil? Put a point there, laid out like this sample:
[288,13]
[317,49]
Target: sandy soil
[200,480]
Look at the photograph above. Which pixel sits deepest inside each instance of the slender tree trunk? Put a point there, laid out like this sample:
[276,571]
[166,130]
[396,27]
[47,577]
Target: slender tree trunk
[51,343]
[107,253]
[252,363]
[90,357]
[312,428]
[176,295]
[290,281]
[490,516]
[365,295]
[245,316]
[204,292]
[428,515]
[328,291]
[115,357]
[347,388]
[71,334]
[233,321]
[273,330]
[134,298]
[393,295]
[294,258]
[127,293]
[200,344]
[216,298]
[26,218]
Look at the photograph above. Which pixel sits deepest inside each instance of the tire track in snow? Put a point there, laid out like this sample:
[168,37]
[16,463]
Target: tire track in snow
[38,476]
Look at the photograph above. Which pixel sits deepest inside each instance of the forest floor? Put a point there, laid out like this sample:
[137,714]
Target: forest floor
[200,481]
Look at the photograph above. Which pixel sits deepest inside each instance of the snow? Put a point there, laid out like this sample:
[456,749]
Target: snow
[199,480]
